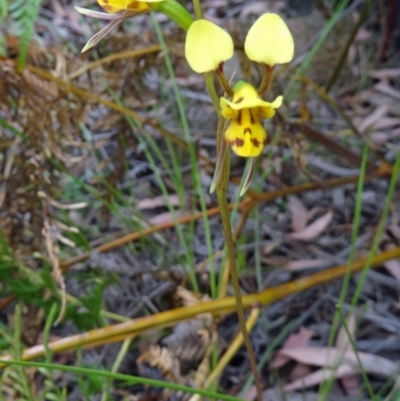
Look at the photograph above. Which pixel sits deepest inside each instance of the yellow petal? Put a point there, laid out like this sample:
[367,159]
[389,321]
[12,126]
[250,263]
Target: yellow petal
[207,46]
[226,111]
[245,96]
[245,134]
[269,41]
[268,111]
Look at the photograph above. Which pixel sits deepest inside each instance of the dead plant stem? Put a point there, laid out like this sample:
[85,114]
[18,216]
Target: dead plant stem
[120,331]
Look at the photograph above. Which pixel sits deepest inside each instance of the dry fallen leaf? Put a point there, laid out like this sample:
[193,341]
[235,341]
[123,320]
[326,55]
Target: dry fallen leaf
[395,231]
[295,340]
[158,201]
[313,230]
[387,73]
[371,120]
[387,90]
[351,384]
[319,376]
[166,217]
[295,265]
[329,357]
[299,214]
[393,265]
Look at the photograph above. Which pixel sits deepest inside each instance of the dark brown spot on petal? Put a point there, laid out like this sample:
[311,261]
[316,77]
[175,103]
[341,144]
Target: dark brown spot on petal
[247,131]
[239,100]
[239,118]
[252,119]
[255,142]
[239,142]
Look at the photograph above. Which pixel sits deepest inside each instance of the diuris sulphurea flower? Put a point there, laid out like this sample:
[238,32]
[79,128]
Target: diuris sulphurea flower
[245,133]
[268,42]
[116,12]
[120,10]
[207,47]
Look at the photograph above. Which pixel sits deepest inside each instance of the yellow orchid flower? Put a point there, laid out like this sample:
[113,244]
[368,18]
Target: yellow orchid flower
[245,133]
[116,12]
[269,41]
[207,46]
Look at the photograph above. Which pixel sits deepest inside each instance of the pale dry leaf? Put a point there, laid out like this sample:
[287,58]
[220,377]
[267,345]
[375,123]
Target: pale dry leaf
[315,229]
[250,394]
[320,376]
[329,356]
[351,384]
[299,214]
[268,248]
[387,122]
[295,340]
[387,73]
[314,211]
[393,265]
[371,120]
[387,90]
[395,231]
[299,371]
[188,298]
[295,265]
[362,35]
[166,217]
[379,137]
[158,201]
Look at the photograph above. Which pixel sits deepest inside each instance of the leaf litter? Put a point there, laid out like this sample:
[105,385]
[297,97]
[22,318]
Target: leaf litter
[309,230]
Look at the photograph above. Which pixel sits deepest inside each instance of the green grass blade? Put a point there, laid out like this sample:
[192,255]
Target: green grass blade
[123,377]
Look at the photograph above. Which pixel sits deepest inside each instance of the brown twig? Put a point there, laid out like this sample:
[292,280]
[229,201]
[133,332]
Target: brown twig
[120,331]
[254,197]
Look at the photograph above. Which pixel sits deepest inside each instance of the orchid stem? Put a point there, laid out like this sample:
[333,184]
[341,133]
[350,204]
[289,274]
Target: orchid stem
[221,184]
[209,80]
[226,223]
